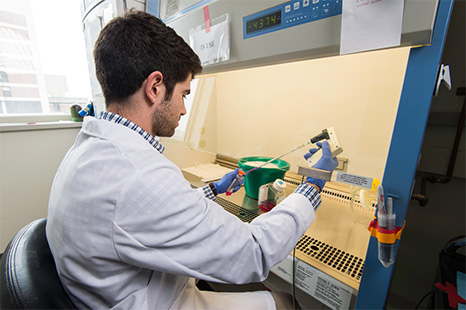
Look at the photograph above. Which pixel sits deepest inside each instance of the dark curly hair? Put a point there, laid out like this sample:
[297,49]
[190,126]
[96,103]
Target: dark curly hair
[132,46]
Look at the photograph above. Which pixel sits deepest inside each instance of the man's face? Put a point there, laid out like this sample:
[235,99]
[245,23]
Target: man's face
[168,113]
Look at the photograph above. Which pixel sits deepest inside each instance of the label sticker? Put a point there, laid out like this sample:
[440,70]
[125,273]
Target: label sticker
[207,19]
[284,269]
[316,283]
[354,179]
[173,6]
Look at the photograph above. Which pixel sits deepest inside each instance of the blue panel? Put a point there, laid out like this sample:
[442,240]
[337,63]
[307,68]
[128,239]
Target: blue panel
[289,14]
[403,155]
[152,7]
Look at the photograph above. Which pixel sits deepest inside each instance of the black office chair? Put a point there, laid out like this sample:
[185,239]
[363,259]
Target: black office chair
[29,279]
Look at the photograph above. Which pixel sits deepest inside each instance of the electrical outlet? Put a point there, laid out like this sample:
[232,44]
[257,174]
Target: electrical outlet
[334,143]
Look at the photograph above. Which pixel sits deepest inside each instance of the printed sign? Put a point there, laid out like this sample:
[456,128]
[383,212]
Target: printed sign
[370,24]
[211,46]
[319,285]
[173,6]
[354,179]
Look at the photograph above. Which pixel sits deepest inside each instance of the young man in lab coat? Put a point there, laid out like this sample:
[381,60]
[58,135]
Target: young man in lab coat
[126,230]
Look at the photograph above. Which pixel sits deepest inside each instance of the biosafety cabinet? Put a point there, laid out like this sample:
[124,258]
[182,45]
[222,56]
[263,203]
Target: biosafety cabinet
[273,77]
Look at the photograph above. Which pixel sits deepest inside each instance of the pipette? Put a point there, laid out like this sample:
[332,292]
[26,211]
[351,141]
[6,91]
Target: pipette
[326,134]
[275,158]
[330,135]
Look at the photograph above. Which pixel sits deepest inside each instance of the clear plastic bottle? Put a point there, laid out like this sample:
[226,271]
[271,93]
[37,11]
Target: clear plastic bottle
[271,194]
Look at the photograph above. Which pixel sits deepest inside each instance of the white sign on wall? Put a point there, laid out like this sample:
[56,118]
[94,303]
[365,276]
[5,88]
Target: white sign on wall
[211,41]
[370,24]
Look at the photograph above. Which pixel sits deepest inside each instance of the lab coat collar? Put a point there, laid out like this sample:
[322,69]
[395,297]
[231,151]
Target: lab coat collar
[121,131]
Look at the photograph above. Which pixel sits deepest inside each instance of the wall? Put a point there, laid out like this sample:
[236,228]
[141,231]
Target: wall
[28,162]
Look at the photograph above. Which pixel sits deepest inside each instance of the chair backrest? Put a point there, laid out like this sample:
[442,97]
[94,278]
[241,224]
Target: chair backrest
[29,279]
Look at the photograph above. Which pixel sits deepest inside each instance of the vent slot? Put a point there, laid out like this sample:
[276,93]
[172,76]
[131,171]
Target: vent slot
[345,199]
[291,181]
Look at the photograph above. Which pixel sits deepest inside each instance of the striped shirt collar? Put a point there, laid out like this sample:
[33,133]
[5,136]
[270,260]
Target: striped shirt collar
[117,119]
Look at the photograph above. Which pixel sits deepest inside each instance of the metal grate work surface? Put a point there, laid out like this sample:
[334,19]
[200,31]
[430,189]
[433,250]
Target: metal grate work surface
[345,263]
[242,213]
[340,261]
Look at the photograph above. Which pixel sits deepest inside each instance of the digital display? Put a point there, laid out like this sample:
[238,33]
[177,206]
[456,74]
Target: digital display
[264,22]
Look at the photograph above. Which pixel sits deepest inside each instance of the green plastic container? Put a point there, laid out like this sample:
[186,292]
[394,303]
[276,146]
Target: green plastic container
[261,176]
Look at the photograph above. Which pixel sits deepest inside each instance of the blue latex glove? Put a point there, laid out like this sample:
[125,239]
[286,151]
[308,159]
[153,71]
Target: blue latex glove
[222,185]
[326,162]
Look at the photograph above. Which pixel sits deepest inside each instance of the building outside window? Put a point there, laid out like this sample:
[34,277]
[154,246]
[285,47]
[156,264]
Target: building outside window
[43,66]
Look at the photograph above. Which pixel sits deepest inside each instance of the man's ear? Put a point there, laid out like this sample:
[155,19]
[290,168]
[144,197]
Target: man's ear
[154,86]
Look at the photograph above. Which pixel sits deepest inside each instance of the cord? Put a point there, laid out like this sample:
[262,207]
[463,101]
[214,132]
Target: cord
[425,296]
[293,279]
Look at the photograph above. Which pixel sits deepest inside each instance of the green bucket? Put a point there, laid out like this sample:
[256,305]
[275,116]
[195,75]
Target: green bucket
[261,176]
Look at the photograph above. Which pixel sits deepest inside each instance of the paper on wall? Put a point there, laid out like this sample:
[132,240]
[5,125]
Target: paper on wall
[370,24]
[212,46]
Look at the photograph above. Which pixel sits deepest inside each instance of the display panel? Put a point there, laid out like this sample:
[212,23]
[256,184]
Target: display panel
[264,22]
[289,14]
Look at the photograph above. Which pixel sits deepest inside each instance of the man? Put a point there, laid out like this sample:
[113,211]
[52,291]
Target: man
[126,230]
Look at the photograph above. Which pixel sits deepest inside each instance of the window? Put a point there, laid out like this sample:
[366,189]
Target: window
[181,130]
[43,66]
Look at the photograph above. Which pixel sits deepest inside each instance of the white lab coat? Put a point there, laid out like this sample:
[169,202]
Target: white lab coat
[127,231]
